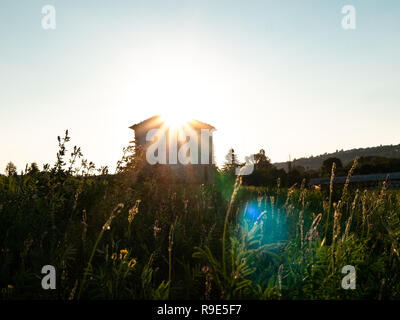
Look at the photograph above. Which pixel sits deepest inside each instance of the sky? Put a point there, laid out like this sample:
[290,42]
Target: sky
[279,75]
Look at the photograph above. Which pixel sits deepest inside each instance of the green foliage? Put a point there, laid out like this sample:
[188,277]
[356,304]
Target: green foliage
[142,234]
[327,165]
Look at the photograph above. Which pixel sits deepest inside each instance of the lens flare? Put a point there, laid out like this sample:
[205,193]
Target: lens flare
[269,224]
[176,120]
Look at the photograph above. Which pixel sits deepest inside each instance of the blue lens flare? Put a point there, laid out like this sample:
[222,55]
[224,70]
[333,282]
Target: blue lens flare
[271,221]
[253,211]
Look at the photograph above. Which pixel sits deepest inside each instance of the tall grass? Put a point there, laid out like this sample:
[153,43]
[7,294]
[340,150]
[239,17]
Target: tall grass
[220,241]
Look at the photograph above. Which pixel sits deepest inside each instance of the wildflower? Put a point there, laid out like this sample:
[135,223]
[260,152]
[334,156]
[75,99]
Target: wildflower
[259,199]
[205,269]
[116,210]
[114,256]
[395,251]
[84,224]
[10,286]
[123,253]
[208,288]
[133,211]
[156,228]
[280,271]
[132,263]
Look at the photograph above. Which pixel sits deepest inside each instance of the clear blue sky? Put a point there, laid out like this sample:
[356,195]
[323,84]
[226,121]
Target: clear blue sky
[279,75]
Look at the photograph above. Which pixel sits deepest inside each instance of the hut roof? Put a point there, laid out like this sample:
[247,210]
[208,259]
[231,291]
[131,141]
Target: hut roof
[157,121]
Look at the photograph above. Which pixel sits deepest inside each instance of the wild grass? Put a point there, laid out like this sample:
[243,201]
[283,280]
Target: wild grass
[135,236]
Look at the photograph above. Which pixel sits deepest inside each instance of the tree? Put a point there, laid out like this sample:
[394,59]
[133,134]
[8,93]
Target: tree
[231,162]
[11,169]
[327,165]
[375,164]
[264,174]
[261,160]
[33,168]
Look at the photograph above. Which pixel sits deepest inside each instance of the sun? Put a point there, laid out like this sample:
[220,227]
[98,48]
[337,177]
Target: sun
[175,120]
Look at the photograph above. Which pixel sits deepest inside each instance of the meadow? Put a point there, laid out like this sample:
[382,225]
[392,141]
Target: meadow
[135,235]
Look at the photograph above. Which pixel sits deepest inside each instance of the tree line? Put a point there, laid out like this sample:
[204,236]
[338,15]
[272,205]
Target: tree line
[265,173]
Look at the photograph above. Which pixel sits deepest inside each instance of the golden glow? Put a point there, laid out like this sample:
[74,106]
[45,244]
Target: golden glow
[175,120]
[180,83]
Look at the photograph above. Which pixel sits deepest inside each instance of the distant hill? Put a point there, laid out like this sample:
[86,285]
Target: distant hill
[314,163]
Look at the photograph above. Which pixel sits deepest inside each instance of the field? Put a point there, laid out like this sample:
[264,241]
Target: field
[130,236]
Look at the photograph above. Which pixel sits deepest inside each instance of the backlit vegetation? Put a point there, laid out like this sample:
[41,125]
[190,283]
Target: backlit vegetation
[143,235]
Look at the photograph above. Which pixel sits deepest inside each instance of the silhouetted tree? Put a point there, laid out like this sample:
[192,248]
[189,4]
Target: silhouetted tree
[33,168]
[326,167]
[261,160]
[264,174]
[375,164]
[231,162]
[11,169]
